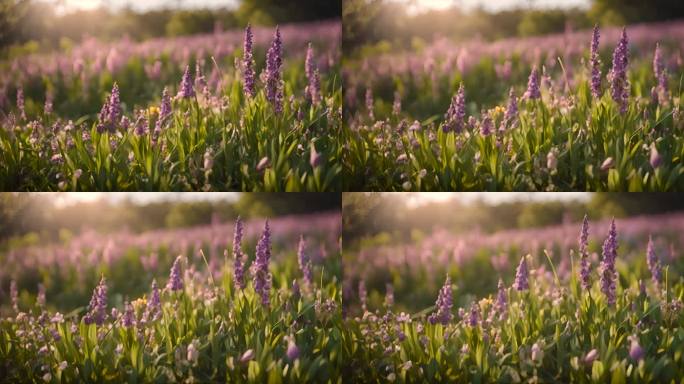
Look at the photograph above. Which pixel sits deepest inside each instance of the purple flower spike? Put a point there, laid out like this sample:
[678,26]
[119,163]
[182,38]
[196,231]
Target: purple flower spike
[186,87]
[653,262]
[595,64]
[474,315]
[153,310]
[313,89]
[456,113]
[128,318]
[619,89]
[501,303]
[660,74]
[511,110]
[585,265]
[248,64]
[274,60]
[97,309]
[608,274]
[175,278]
[443,305]
[238,267]
[655,159]
[487,126]
[304,261]
[115,111]
[533,85]
[521,282]
[262,276]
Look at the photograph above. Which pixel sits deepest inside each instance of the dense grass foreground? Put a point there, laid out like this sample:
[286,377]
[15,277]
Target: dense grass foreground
[449,118]
[597,323]
[254,322]
[223,128]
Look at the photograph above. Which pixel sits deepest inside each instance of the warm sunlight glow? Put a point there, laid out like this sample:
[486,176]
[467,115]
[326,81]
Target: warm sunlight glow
[416,199]
[425,5]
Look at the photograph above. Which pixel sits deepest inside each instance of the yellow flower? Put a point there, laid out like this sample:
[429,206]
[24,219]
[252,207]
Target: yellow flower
[140,303]
[153,110]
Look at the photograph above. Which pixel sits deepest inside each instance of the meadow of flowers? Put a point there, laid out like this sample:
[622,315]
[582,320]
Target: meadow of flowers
[258,109]
[615,318]
[259,303]
[593,110]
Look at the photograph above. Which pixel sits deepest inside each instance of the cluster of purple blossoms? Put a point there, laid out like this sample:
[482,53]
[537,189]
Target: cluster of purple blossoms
[153,310]
[128,317]
[474,315]
[521,282]
[486,126]
[595,64]
[533,85]
[292,351]
[262,276]
[164,112]
[274,61]
[455,116]
[443,305]
[653,262]
[111,112]
[186,90]
[619,88]
[97,309]
[175,282]
[659,72]
[500,307]
[511,110]
[248,64]
[608,274]
[313,89]
[304,262]
[238,266]
[585,265]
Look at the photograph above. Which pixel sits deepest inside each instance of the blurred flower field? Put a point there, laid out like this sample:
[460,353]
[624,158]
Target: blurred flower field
[258,301]
[258,109]
[579,111]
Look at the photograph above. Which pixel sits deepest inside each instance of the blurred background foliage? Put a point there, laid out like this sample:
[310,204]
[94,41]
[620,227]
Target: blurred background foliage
[388,216]
[31,218]
[381,25]
[33,25]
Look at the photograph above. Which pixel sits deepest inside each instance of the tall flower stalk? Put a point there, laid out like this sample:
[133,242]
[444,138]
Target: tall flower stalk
[653,262]
[619,88]
[443,305]
[304,262]
[262,276]
[521,282]
[595,64]
[455,116]
[608,273]
[585,265]
[274,62]
[248,64]
[238,261]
